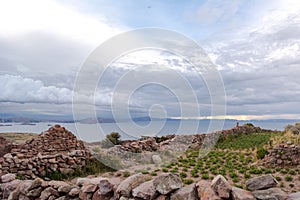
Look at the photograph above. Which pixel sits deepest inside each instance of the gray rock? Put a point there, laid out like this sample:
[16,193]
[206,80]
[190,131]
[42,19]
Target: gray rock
[64,188]
[8,178]
[240,194]
[34,192]
[49,191]
[9,187]
[261,182]
[156,159]
[89,188]
[126,186]
[270,194]
[167,182]
[220,185]
[144,191]
[294,196]
[186,193]
[105,187]
[205,192]
[74,192]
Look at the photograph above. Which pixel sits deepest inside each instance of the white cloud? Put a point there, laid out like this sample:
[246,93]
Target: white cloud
[19,17]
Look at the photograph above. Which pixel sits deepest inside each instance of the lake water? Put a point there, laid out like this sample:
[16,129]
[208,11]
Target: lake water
[128,130]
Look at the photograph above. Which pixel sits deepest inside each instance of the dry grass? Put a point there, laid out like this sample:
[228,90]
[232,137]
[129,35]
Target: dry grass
[18,137]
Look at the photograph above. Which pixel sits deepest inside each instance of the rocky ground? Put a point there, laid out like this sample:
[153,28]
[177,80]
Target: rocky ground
[173,167]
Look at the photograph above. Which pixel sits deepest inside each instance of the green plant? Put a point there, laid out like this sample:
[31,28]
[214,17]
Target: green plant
[289,178]
[55,175]
[111,139]
[126,174]
[153,173]
[183,175]
[205,176]
[278,178]
[261,153]
[187,181]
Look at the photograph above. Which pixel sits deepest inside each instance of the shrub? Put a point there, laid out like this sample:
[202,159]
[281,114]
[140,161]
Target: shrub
[183,175]
[205,176]
[261,153]
[278,178]
[153,173]
[111,140]
[289,178]
[188,181]
[126,174]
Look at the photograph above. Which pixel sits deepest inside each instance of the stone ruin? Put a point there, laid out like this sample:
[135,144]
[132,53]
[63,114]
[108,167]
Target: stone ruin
[283,155]
[56,149]
[5,146]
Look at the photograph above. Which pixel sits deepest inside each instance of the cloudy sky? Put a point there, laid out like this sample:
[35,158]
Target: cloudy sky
[254,45]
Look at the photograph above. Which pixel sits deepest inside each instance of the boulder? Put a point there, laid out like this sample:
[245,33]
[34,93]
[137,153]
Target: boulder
[156,159]
[64,188]
[205,192]
[74,192]
[270,194]
[294,196]
[165,183]
[188,192]
[7,188]
[105,191]
[126,186]
[89,188]
[8,178]
[34,193]
[220,185]
[261,182]
[49,191]
[144,191]
[240,194]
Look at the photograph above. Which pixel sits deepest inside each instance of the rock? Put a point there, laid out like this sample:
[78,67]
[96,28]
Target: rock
[156,159]
[162,197]
[57,184]
[64,188]
[81,181]
[9,187]
[126,186]
[240,194]
[105,187]
[186,193]
[25,186]
[89,188]
[74,192]
[270,194]
[261,182]
[8,178]
[36,183]
[165,183]
[205,192]
[34,192]
[49,191]
[294,196]
[220,185]
[144,191]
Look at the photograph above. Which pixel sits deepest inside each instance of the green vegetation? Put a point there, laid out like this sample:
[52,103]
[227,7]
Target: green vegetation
[261,153]
[111,140]
[245,141]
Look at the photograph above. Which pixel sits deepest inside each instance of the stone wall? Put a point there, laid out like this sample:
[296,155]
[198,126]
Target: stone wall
[54,150]
[5,146]
[283,156]
[142,187]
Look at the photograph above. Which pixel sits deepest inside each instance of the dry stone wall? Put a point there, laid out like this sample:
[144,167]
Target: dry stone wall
[54,150]
[283,156]
[141,187]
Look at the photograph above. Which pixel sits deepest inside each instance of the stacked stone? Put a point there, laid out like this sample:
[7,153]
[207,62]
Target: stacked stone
[54,150]
[164,186]
[283,155]
[5,146]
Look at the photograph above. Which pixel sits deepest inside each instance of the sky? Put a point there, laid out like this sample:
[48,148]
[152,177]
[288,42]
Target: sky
[254,45]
